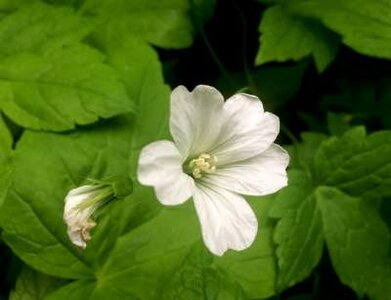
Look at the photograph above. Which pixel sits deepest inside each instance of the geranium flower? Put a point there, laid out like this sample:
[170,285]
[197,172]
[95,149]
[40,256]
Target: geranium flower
[221,150]
[82,202]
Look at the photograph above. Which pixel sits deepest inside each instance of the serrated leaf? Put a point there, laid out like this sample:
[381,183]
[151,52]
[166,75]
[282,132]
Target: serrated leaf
[69,86]
[298,234]
[166,24]
[357,163]
[359,166]
[365,26]
[285,37]
[358,241]
[33,285]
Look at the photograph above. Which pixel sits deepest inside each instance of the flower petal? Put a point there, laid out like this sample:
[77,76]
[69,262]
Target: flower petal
[196,118]
[247,129]
[176,189]
[260,175]
[156,161]
[160,165]
[227,220]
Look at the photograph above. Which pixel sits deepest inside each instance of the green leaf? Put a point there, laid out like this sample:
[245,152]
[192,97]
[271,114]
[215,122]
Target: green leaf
[197,279]
[48,80]
[338,123]
[39,201]
[255,268]
[358,241]
[356,163]
[150,122]
[39,28]
[57,91]
[285,37]
[5,159]
[303,154]
[163,23]
[298,233]
[365,26]
[8,6]
[33,285]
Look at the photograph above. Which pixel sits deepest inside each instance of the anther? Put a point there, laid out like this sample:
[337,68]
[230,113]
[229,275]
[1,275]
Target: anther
[205,163]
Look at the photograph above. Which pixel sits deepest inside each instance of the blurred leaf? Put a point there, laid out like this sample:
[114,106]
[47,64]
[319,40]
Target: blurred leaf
[274,85]
[54,83]
[5,159]
[285,37]
[33,285]
[165,24]
[364,25]
[338,123]
[278,84]
[358,241]
[367,100]
[40,28]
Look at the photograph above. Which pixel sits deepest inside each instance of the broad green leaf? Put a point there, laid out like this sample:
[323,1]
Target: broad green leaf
[285,37]
[364,25]
[150,121]
[69,86]
[358,241]
[8,6]
[163,23]
[39,28]
[357,163]
[33,285]
[298,233]
[255,268]
[5,159]
[32,212]
[48,80]
[197,279]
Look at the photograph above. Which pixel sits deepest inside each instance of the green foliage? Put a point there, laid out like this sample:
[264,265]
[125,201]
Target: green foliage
[292,29]
[32,285]
[82,90]
[330,197]
[5,159]
[285,37]
[166,24]
[358,241]
[60,82]
[364,26]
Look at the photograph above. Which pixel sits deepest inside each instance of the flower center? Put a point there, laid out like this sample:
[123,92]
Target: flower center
[205,163]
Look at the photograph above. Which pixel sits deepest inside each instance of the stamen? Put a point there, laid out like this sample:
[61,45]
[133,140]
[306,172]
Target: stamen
[205,163]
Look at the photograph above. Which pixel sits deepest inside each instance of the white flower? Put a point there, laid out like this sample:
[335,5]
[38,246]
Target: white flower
[82,202]
[78,212]
[220,150]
